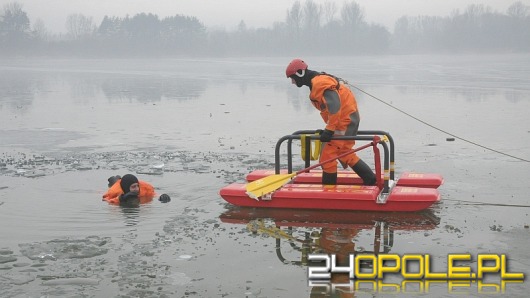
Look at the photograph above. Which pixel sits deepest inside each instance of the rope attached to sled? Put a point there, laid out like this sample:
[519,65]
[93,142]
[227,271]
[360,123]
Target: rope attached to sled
[437,128]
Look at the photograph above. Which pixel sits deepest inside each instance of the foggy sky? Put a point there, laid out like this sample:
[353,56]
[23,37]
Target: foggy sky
[227,14]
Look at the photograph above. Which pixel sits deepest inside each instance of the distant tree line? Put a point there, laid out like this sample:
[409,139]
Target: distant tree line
[308,28]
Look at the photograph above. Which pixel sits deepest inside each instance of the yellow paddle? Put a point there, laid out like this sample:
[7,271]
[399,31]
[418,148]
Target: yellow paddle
[265,185]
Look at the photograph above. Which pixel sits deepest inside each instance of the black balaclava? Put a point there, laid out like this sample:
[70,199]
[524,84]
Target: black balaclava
[306,79]
[127,181]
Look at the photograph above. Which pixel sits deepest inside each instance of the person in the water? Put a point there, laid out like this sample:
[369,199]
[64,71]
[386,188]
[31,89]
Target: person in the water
[128,190]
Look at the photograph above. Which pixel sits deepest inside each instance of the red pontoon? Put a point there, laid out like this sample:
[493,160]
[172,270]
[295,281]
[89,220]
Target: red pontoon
[411,192]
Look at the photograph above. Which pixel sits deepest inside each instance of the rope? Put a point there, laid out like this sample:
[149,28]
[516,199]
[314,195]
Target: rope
[439,129]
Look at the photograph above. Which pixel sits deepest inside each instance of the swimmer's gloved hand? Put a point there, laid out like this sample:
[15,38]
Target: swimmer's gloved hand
[129,197]
[113,180]
[164,198]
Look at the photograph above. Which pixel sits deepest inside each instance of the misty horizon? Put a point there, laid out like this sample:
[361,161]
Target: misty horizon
[227,15]
[341,30]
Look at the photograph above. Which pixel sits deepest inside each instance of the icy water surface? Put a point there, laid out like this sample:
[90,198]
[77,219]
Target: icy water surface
[190,127]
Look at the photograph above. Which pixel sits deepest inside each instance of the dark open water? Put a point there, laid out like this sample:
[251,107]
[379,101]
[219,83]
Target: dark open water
[190,127]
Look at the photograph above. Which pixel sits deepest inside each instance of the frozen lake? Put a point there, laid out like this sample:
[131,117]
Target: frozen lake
[190,127]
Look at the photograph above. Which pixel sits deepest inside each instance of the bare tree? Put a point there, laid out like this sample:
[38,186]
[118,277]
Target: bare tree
[518,10]
[295,17]
[242,27]
[79,26]
[14,21]
[40,31]
[520,18]
[329,9]
[15,32]
[352,15]
[313,14]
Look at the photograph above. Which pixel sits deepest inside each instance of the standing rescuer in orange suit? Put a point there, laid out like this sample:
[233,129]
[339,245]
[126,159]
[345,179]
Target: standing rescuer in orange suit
[338,108]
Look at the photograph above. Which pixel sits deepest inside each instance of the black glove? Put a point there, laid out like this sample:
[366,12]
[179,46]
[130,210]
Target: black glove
[113,180]
[128,197]
[164,198]
[326,135]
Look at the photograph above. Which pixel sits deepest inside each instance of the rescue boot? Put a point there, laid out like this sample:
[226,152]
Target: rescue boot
[365,172]
[329,178]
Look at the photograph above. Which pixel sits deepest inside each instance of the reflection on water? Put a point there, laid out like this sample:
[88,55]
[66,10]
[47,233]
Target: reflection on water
[152,81]
[149,89]
[297,234]
[17,89]
[331,232]
[131,212]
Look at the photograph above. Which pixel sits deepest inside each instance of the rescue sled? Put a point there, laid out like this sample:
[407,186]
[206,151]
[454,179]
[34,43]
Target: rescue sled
[281,188]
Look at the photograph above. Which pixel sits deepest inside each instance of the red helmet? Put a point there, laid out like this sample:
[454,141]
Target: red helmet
[294,66]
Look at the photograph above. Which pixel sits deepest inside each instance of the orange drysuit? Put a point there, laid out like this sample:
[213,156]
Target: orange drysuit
[343,119]
[147,193]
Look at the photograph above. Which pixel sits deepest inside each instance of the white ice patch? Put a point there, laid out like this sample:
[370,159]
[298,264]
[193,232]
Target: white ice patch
[179,279]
